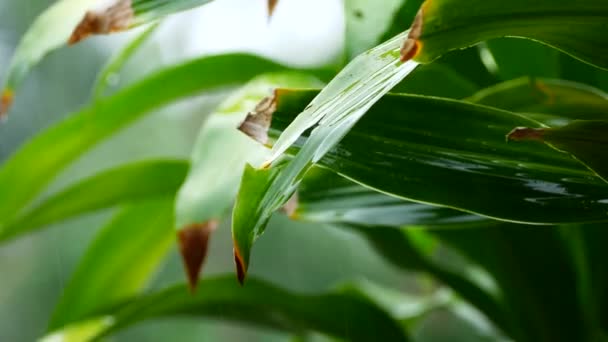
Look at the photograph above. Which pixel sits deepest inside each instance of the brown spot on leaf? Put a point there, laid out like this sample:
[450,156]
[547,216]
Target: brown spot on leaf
[115,18]
[193,246]
[525,133]
[241,267]
[272,5]
[258,121]
[412,45]
[6,100]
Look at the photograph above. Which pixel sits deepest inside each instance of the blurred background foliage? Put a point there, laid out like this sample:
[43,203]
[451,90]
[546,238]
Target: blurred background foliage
[303,257]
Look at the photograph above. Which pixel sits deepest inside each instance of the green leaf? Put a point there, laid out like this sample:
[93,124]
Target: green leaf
[131,183]
[564,101]
[587,141]
[336,109]
[128,251]
[218,159]
[30,169]
[73,20]
[338,314]
[454,154]
[423,81]
[575,27]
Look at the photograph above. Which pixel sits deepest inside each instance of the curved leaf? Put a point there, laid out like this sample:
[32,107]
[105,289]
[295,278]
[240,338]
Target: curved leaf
[31,168]
[131,183]
[575,27]
[73,20]
[342,315]
[127,250]
[454,154]
[336,109]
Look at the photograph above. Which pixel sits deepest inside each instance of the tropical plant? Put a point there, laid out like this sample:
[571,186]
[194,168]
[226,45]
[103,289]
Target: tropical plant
[456,152]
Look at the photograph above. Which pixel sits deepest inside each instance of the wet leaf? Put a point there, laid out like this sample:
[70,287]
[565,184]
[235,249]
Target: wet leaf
[454,154]
[126,184]
[119,262]
[575,27]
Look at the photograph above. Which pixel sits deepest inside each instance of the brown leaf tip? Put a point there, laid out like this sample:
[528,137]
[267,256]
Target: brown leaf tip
[525,133]
[272,5]
[257,123]
[241,267]
[115,18]
[6,100]
[193,246]
[412,45]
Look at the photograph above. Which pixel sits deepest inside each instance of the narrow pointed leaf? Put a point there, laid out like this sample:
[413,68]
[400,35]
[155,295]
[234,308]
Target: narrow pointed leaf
[585,140]
[336,109]
[127,184]
[342,315]
[119,263]
[219,158]
[25,174]
[575,27]
[455,154]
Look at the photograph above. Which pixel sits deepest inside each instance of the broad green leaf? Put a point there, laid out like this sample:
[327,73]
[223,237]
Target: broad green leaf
[32,167]
[324,197]
[511,58]
[587,141]
[563,101]
[575,27]
[69,21]
[336,109]
[117,62]
[127,184]
[368,22]
[535,274]
[119,263]
[454,154]
[338,314]
[219,157]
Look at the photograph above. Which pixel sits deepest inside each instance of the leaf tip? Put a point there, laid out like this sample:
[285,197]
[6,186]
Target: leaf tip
[525,133]
[241,266]
[6,100]
[193,246]
[272,5]
[258,121]
[115,18]
[412,45]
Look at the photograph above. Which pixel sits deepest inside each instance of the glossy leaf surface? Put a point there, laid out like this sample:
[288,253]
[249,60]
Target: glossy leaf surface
[455,154]
[127,184]
[575,27]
